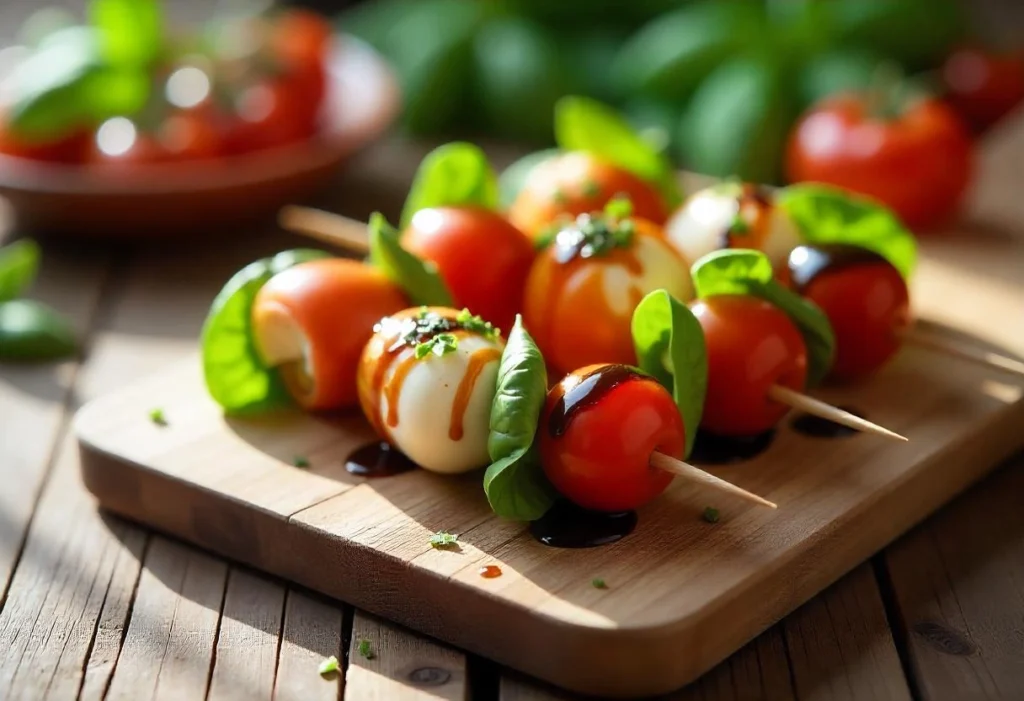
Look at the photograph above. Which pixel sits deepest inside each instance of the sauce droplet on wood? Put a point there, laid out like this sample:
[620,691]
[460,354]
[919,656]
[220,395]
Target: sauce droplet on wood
[566,525]
[489,572]
[377,460]
[587,392]
[819,427]
[709,449]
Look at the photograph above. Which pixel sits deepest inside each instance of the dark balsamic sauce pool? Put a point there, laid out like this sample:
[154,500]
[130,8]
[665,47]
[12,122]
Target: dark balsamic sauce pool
[569,526]
[377,460]
[709,449]
[817,427]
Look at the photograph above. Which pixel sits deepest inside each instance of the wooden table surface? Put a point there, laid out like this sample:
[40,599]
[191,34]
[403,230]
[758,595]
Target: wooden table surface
[94,607]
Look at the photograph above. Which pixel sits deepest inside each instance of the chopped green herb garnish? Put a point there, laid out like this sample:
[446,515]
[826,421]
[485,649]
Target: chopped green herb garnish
[157,417]
[365,650]
[591,188]
[300,461]
[443,539]
[711,515]
[598,583]
[329,665]
[440,345]
[618,207]
[593,235]
[474,323]
[739,225]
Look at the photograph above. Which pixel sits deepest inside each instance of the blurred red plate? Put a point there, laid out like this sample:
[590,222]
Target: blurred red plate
[202,196]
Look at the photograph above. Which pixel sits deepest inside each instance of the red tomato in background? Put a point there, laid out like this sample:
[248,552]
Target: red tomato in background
[751,345]
[570,184]
[119,142]
[301,41]
[482,259]
[983,86]
[69,149]
[597,432]
[918,162]
[268,113]
[190,135]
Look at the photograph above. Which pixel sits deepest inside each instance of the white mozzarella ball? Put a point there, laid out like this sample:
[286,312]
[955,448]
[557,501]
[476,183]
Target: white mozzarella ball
[658,268]
[427,412]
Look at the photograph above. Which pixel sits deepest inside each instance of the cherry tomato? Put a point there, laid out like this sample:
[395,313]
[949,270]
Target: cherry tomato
[482,258]
[312,321]
[268,113]
[864,297]
[918,162]
[67,149]
[190,135]
[751,346]
[576,183]
[579,307]
[120,142]
[597,432]
[983,86]
[300,40]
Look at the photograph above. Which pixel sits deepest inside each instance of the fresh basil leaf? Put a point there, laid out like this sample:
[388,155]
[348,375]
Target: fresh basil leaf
[19,263]
[583,124]
[455,174]
[418,278]
[747,272]
[235,376]
[131,31]
[670,347]
[830,215]
[30,330]
[515,483]
[511,180]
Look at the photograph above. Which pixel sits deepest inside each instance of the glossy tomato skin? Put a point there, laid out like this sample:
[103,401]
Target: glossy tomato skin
[919,163]
[983,86]
[600,459]
[580,312]
[577,183]
[751,345]
[481,257]
[869,308]
[329,308]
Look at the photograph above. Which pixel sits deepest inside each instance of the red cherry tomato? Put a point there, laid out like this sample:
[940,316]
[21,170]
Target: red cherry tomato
[303,325]
[598,430]
[190,135]
[119,142]
[301,40]
[268,113]
[576,183]
[482,258]
[68,149]
[918,162]
[864,297]
[751,346]
[983,86]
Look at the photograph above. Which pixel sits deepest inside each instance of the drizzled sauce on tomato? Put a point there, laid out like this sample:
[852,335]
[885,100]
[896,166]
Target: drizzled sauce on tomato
[753,218]
[588,392]
[806,263]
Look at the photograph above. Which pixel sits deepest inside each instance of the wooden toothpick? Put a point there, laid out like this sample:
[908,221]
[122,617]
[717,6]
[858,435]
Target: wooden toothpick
[343,232]
[798,400]
[687,471]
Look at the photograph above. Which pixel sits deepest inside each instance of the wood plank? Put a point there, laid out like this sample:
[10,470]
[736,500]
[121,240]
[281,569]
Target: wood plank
[958,586]
[312,633]
[401,666]
[247,644]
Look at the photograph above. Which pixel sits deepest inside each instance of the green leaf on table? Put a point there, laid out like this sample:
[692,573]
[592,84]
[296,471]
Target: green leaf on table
[826,214]
[131,31]
[670,347]
[235,376]
[418,278]
[453,175]
[515,483]
[511,180]
[747,272]
[583,124]
[30,330]
[19,263]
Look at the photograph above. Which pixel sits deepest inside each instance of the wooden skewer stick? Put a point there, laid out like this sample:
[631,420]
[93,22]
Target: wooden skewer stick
[334,229]
[957,349]
[797,400]
[667,463]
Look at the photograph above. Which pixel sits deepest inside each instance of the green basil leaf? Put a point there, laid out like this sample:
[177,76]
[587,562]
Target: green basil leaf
[583,124]
[131,31]
[825,214]
[511,180]
[746,272]
[515,483]
[30,330]
[670,347]
[19,263]
[455,174]
[235,376]
[418,278]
